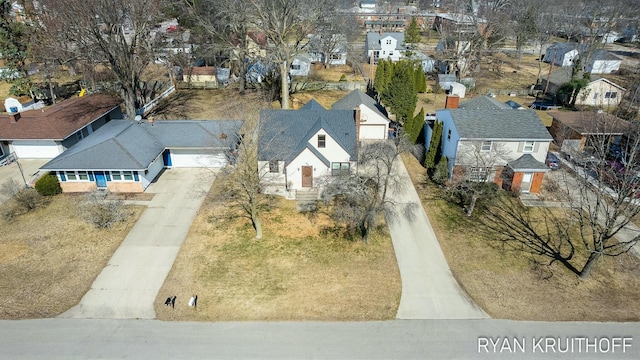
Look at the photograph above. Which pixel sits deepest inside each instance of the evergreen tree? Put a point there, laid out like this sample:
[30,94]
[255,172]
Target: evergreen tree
[14,40]
[434,145]
[400,95]
[420,80]
[441,172]
[414,126]
[412,36]
[379,83]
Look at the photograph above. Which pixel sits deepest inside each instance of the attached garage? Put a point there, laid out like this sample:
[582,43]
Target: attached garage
[376,132]
[197,158]
[36,149]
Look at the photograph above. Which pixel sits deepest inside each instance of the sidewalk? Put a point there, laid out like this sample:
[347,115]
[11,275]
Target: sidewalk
[429,290]
[127,287]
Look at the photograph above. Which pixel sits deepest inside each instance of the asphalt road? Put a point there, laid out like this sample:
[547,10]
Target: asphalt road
[399,339]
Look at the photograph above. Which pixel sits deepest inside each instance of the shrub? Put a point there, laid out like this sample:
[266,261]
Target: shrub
[48,185]
[343,77]
[26,198]
[100,211]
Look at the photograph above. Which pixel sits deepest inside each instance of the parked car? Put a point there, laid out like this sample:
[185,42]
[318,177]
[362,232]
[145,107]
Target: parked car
[552,161]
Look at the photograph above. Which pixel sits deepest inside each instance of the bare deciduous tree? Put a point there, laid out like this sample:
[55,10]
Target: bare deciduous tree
[114,33]
[357,200]
[474,171]
[286,24]
[599,203]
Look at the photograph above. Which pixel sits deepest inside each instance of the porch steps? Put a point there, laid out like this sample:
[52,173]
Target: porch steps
[307,200]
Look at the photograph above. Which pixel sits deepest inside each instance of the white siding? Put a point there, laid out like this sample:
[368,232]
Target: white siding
[332,150]
[373,125]
[595,92]
[197,158]
[306,158]
[373,132]
[36,149]
[511,150]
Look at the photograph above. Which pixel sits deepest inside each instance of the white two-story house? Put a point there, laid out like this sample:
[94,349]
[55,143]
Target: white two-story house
[298,148]
[506,146]
[386,45]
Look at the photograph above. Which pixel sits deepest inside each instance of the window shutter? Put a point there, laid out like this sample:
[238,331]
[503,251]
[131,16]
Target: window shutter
[62,176]
[536,146]
[108,174]
[520,146]
[91,178]
[135,176]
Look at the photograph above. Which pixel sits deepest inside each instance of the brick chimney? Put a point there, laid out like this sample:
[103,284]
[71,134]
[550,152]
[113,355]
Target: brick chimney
[14,117]
[452,102]
[357,116]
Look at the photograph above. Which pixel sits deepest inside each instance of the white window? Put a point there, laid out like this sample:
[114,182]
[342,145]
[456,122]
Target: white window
[388,41]
[123,176]
[71,175]
[83,175]
[610,95]
[528,146]
[486,146]
[295,67]
[340,168]
[322,141]
[390,53]
[479,174]
[273,166]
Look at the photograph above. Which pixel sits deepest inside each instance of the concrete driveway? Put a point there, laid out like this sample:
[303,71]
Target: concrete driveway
[429,290]
[12,171]
[127,287]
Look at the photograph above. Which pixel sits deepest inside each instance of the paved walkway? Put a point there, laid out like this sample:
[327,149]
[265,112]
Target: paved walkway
[127,287]
[429,290]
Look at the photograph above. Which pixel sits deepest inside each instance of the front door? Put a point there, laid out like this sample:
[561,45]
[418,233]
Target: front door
[101,179]
[307,176]
[527,178]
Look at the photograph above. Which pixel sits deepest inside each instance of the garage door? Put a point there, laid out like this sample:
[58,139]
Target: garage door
[197,158]
[35,150]
[372,132]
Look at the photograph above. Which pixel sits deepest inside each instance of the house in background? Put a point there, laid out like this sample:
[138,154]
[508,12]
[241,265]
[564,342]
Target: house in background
[46,133]
[202,75]
[561,54]
[337,56]
[603,62]
[572,130]
[373,123]
[565,54]
[386,46]
[598,92]
[22,103]
[300,66]
[126,156]
[503,145]
[298,148]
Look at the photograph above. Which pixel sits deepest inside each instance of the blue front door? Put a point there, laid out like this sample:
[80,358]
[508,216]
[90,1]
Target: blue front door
[101,179]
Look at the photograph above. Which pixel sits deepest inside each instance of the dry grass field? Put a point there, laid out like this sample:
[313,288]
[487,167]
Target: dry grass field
[50,257]
[297,271]
[509,286]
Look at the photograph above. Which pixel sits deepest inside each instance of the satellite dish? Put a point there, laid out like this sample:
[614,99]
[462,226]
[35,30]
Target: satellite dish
[138,118]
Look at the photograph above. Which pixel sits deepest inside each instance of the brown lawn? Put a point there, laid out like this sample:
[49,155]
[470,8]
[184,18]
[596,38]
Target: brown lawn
[296,271]
[50,257]
[508,286]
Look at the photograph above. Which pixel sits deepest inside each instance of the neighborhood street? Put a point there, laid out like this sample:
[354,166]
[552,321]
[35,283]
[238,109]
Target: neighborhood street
[397,339]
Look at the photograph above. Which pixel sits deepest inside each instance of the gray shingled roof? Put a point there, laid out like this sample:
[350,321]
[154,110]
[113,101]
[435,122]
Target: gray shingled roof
[284,134]
[127,145]
[312,105]
[373,39]
[483,103]
[355,98]
[499,125]
[602,54]
[527,163]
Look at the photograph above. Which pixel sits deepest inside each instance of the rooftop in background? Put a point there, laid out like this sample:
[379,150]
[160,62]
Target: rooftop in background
[59,121]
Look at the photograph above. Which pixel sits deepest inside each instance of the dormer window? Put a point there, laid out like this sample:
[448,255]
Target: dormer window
[322,141]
